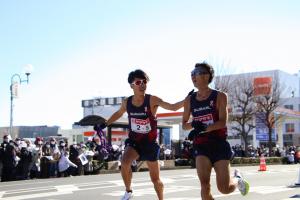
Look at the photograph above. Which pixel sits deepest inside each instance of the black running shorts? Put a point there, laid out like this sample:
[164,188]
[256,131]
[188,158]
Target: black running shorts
[147,151]
[215,150]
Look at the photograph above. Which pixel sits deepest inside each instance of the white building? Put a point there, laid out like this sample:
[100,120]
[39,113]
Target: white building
[290,126]
[290,92]
[290,84]
[105,107]
[287,129]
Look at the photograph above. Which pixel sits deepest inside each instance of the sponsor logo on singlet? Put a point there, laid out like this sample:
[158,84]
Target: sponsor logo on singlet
[202,109]
[206,119]
[140,125]
[138,114]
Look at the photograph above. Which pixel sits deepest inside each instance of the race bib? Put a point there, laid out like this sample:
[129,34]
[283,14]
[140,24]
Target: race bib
[140,125]
[205,119]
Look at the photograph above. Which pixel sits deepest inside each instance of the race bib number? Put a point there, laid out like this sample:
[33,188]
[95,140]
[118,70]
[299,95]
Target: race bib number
[205,119]
[140,125]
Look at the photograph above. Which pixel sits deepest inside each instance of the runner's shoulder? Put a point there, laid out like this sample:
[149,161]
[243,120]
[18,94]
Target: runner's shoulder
[154,99]
[221,94]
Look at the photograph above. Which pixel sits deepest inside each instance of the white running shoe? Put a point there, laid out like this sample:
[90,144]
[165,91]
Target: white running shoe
[127,195]
[243,185]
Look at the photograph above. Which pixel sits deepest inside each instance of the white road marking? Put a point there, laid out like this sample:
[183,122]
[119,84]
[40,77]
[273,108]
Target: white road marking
[117,182]
[151,191]
[269,189]
[259,190]
[25,183]
[225,195]
[63,188]
[29,190]
[39,195]
[143,186]
[146,181]
[173,189]
[182,198]
[94,183]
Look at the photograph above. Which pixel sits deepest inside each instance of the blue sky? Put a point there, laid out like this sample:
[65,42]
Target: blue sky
[81,49]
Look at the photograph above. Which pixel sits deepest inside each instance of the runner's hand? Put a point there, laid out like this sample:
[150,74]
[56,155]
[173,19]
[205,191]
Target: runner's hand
[100,126]
[199,126]
[192,135]
[103,126]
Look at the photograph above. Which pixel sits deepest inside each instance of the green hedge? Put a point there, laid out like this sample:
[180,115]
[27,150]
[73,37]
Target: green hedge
[256,161]
[238,161]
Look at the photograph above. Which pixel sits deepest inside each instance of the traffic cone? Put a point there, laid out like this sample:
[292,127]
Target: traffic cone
[262,164]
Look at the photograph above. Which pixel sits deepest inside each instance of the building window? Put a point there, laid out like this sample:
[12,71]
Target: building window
[102,101]
[288,137]
[299,107]
[111,101]
[289,128]
[119,100]
[86,104]
[96,102]
[291,107]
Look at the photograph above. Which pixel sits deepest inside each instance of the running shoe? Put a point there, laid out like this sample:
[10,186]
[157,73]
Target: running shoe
[127,195]
[242,185]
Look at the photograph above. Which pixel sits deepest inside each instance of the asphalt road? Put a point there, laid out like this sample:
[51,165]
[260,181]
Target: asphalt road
[180,184]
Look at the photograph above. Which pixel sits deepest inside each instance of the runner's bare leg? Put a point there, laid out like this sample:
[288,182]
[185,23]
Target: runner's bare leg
[154,170]
[225,183]
[129,155]
[204,168]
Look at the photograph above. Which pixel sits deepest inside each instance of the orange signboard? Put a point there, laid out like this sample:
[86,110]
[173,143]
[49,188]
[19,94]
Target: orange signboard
[171,114]
[89,133]
[262,85]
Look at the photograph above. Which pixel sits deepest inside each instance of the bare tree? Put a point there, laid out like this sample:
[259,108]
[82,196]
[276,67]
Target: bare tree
[223,73]
[223,83]
[267,101]
[242,102]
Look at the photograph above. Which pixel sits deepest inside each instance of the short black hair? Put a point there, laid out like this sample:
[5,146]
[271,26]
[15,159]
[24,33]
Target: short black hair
[138,73]
[209,69]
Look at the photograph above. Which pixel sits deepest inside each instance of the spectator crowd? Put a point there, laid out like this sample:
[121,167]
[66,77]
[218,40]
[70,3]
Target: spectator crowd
[291,154]
[22,159]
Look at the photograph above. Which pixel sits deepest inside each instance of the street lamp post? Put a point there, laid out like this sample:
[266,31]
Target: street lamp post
[12,95]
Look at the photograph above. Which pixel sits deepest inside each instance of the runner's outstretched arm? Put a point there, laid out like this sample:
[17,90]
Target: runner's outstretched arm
[186,125]
[159,102]
[114,117]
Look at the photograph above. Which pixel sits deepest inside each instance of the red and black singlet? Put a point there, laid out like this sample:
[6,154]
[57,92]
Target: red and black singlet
[142,123]
[206,112]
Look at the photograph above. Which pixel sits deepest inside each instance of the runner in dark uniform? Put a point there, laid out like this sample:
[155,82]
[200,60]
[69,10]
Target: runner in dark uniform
[208,108]
[141,143]
[211,144]
[142,130]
